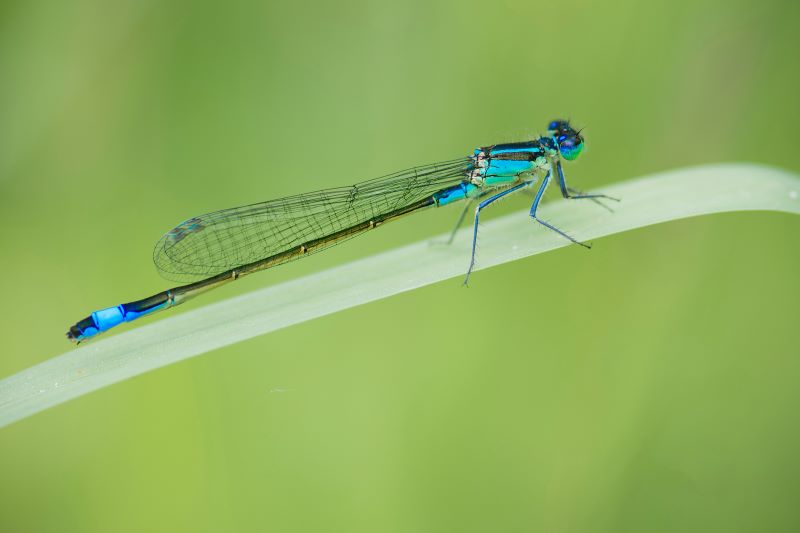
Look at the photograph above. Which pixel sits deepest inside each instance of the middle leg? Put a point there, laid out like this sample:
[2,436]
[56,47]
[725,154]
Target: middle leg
[535,207]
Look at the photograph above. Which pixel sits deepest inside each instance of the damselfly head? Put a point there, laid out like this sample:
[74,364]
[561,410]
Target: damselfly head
[570,142]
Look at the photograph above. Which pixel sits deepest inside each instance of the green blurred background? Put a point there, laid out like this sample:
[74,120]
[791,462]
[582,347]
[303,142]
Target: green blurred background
[650,385]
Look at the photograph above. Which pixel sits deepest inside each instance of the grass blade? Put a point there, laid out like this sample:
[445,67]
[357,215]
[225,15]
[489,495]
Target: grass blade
[649,200]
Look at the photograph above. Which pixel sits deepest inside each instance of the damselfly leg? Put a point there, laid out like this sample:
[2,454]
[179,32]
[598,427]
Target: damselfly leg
[573,194]
[478,209]
[460,221]
[463,215]
[535,207]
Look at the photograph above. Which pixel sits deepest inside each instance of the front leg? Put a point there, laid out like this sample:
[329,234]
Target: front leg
[572,194]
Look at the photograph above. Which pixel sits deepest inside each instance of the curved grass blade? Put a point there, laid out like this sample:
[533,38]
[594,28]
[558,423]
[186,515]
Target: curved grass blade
[650,200]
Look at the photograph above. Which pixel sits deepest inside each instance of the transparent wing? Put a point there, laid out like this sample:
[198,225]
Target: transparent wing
[210,244]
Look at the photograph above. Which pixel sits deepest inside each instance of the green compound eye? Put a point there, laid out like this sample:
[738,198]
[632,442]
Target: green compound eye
[570,147]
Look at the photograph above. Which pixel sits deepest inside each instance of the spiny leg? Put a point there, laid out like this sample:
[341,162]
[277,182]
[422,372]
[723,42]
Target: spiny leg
[477,216]
[574,194]
[535,206]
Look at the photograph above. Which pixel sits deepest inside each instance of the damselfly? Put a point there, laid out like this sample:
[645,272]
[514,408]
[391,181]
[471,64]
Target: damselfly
[213,249]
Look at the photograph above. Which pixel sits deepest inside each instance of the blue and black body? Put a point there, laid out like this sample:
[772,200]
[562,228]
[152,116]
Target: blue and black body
[216,248]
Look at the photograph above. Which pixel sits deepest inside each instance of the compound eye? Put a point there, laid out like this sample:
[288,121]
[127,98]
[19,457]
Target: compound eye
[570,147]
[557,126]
